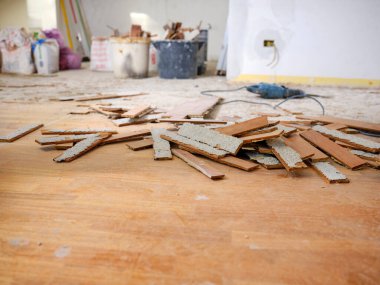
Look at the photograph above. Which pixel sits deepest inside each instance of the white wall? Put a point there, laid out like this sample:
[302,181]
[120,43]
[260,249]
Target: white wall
[324,38]
[13,13]
[154,14]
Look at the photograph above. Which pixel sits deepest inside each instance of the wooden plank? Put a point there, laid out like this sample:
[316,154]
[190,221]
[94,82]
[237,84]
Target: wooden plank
[105,96]
[161,147]
[238,163]
[291,120]
[366,155]
[297,126]
[134,121]
[62,139]
[339,153]
[245,126]
[63,146]
[79,149]
[127,136]
[373,164]
[350,131]
[329,172]
[202,107]
[201,148]
[211,137]
[287,130]
[358,142]
[259,131]
[138,112]
[193,121]
[110,115]
[198,164]
[305,149]
[115,108]
[23,131]
[346,145]
[262,137]
[266,160]
[371,127]
[82,112]
[335,126]
[141,144]
[289,158]
[77,131]
[228,160]
[264,150]
[196,108]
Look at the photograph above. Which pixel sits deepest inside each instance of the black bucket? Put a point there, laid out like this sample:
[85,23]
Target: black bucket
[177,58]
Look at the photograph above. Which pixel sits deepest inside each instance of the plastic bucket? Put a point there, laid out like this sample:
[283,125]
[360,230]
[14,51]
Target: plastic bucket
[177,58]
[130,57]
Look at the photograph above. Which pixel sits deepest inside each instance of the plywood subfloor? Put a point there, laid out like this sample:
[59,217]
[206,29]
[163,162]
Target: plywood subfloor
[115,216]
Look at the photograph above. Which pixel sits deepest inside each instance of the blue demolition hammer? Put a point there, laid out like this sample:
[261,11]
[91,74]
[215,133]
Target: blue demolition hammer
[274,91]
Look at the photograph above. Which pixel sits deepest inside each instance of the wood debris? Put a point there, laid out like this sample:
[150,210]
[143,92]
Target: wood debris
[198,164]
[134,121]
[192,121]
[371,127]
[127,136]
[110,115]
[161,146]
[23,131]
[262,137]
[76,131]
[227,160]
[339,153]
[238,163]
[356,141]
[329,172]
[305,149]
[266,160]
[63,146]
[140,144]
[210,137]
[193,109]
[366,155]
[260,131]
[240,128]
[138,112]
[288,156]
[335,126]
[79,149]
[201,148]
[287,130]
[115,108]
[99,97]
[292,140]
[62,139]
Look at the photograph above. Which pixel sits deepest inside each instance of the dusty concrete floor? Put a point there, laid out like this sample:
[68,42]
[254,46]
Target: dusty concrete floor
[356,103]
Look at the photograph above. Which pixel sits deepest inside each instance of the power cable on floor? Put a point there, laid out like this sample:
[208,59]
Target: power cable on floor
[209,93]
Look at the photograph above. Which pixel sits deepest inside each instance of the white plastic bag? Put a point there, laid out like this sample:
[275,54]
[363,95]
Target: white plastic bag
[16,51]
[46,56]
[18,60]
[101,54]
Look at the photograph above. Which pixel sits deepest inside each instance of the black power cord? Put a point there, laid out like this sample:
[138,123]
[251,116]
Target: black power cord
[209,93]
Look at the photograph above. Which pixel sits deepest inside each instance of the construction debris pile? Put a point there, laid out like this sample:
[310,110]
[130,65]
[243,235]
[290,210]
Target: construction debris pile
[268,140]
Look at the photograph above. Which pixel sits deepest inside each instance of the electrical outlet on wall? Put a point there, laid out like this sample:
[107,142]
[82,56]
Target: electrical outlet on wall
[268,43]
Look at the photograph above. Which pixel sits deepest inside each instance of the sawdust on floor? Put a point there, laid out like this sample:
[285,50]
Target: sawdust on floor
[356,103]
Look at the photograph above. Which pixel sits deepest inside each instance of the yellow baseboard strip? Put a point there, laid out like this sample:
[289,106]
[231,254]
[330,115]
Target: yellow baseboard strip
[304,80]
